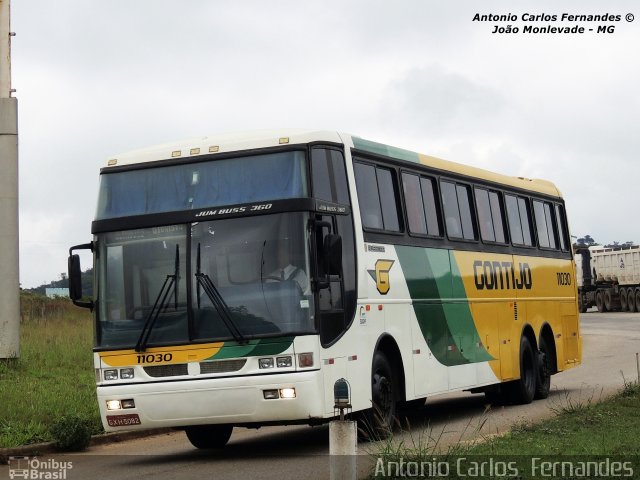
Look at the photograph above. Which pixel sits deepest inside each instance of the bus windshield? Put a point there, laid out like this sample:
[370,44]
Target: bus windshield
[232,279]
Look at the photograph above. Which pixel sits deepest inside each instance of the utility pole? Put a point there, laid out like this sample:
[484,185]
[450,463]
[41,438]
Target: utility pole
[9,263]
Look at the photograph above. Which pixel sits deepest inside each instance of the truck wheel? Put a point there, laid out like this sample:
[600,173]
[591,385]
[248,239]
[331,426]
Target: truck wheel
[600,301]
[623,300]
[608,301]
[632,305]
[637,295]
[209,436]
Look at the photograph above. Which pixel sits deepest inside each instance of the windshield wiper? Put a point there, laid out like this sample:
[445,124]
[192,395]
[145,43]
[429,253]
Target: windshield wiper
[218,302]
[170,283]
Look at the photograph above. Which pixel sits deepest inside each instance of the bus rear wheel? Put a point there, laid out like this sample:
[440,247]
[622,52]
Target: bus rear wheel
[523,390]
[545,367]
[209,436]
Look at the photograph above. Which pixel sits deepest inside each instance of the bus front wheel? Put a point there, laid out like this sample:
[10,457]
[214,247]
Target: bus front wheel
[383,398]
[209,436]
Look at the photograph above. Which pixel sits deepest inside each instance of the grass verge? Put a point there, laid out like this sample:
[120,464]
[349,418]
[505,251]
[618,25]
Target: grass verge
[580,430]
[53,378]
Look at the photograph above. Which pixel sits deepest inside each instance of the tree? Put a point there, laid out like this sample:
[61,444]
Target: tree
[586,241]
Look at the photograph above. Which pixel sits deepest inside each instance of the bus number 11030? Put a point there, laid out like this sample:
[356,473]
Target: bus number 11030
[155,358]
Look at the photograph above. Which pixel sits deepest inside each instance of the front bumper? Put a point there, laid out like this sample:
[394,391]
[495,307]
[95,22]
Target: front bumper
[229,400]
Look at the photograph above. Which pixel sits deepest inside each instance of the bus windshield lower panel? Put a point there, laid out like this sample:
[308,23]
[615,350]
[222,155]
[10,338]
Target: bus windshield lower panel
[239,278]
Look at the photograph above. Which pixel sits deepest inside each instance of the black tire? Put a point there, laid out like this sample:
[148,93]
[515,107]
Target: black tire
[608,300]
[582,307]
[637,297]
[632,304]
[209,436]
[624,305]
[545,369]
[600,301]
[383,396]
[522,391]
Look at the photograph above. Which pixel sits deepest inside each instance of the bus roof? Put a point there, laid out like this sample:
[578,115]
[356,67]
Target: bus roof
[232,142]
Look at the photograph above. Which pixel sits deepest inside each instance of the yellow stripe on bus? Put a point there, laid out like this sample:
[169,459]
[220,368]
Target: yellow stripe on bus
[160,355]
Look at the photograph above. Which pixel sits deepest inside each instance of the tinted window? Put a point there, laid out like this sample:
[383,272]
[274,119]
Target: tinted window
[329,176]
[464,202]
[519,216]
[513,214]
[430,208]
[377,194]
[366,185]
[561,227]
[525,220]
[420,200]
[451,211]
[413,201]
[484,216]
[456,202]
[541,224]
[213,183]
[548,215]
[388,200]
[498,217]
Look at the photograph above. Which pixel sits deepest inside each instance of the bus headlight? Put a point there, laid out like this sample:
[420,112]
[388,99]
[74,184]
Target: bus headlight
[283,362]
[265,363]
[110,374]
[287,393]
[114,405]
[126,373]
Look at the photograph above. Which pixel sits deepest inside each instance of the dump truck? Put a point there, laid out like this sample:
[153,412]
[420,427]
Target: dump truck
[608,278]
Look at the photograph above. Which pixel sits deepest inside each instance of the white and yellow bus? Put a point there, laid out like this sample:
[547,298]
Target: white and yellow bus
[238,277]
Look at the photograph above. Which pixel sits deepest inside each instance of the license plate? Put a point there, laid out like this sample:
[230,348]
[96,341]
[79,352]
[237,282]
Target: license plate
[123,420]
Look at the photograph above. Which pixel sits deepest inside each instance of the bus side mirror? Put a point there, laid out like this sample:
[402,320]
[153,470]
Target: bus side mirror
[75,276]
[333,253]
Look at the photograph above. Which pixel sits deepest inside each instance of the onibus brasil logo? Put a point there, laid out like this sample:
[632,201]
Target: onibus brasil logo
[36,469]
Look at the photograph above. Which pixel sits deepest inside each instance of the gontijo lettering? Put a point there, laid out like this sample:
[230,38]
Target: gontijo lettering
[495,275]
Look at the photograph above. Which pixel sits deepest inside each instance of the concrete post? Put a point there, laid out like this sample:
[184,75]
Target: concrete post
[343,444]
[9,264]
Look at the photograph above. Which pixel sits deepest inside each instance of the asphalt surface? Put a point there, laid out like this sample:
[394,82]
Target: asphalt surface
[610,344]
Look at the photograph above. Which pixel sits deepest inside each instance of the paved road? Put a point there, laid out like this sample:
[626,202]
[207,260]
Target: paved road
[610,345]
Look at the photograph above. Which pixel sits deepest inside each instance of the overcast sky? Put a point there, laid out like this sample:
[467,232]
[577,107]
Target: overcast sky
[97,78]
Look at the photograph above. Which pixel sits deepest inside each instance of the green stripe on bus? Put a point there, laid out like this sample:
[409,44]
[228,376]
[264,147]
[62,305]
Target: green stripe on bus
[386,150]
[433,280]
[263,346]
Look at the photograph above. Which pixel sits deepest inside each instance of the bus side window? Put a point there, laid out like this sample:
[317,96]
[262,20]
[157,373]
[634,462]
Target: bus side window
[456,202]
[329,176]
[544,224]
[490,215]
[519,216]
[420,199]
[562,232]
[377,193]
